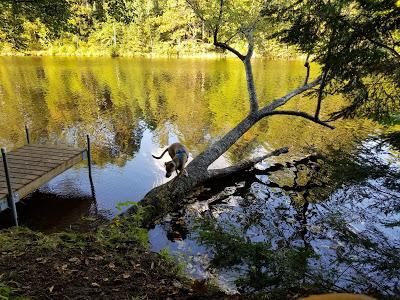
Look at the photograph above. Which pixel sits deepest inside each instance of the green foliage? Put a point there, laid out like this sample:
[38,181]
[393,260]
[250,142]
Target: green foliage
[117,27]
[7,293]
[178,266]
[356,43]
[124,230]
[121,230]
[23,23]
[121,205]
[264,267]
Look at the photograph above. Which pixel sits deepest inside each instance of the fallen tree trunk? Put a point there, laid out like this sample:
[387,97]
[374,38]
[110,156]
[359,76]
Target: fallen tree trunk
[247,164]
[168,197]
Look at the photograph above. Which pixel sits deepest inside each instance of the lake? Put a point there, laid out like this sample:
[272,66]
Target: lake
[331,192]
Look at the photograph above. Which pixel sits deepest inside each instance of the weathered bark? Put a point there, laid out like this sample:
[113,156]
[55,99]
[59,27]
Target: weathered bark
[247,164]
[169,196]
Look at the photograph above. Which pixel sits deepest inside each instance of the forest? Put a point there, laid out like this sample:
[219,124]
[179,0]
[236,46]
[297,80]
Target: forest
[113,28]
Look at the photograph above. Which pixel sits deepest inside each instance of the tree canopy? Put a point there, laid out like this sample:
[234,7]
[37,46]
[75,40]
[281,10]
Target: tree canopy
[45,18]
[357,45]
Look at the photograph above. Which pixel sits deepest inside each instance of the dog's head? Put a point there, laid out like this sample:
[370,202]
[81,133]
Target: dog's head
[169,167]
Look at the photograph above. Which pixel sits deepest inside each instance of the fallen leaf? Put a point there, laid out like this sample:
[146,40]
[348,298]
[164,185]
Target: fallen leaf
[126,275]
[111,266]
[74,260]
[51,289]
[177,284]
[95,284]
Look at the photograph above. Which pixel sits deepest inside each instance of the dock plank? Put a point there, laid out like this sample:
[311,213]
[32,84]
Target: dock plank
[39,152]
[17,161]
[43,158]
[22,173]
[50,148]
[34,165]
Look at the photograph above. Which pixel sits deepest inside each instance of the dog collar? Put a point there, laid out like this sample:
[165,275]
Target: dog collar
[181,152]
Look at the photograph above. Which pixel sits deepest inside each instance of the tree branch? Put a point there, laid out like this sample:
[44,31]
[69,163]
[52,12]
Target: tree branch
[249,74]
[283,100]
[307,65]
[299,114]
[224,45]
[219,173]
[321,93]
[367,37]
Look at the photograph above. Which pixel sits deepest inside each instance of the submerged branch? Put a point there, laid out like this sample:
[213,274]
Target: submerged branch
[219,173]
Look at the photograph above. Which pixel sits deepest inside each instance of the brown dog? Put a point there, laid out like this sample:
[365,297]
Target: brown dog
[179,156]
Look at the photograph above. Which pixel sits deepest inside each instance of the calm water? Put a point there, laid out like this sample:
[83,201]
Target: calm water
[134,107]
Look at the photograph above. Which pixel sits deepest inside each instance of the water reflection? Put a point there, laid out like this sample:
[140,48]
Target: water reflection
[134,107]
[327,222]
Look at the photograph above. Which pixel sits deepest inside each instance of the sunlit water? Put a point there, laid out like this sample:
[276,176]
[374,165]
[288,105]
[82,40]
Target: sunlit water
[132,108]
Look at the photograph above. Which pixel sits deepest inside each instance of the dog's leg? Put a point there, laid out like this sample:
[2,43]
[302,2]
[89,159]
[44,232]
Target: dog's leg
[185,173]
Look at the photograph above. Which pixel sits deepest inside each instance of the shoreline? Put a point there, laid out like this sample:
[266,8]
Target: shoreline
[208,55]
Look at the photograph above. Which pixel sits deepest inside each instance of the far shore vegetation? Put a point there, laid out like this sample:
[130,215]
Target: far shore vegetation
[114,28]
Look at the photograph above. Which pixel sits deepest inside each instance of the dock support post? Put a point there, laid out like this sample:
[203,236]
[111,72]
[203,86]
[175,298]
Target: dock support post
[89,158]
[28,140]
[11,200]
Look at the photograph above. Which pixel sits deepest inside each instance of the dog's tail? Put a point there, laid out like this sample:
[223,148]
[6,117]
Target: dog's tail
[158,157]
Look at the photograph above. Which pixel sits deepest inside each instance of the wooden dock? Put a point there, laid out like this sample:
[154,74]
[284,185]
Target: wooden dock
[33,165]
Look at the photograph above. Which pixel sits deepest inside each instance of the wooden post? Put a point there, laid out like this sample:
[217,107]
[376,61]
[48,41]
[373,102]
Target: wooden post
[28,140]
[89,158]
[11,200]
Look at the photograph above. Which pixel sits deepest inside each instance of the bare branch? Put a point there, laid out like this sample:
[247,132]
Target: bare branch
[219,173]
[232,36]
[307,65]
[283,100]
[299,114]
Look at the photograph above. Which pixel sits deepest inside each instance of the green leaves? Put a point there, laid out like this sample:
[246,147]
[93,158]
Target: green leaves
[15,16]
[358,41]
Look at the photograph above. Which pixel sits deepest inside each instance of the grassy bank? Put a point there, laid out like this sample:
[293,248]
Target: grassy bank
[113,262]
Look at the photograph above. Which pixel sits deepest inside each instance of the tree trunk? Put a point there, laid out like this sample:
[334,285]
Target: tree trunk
[171,193]
[169,196]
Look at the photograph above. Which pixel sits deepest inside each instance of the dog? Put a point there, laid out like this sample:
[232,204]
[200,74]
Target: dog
[179,155]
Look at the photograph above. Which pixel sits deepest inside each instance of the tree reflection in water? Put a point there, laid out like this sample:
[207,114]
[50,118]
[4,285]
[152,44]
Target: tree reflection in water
[327,222]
